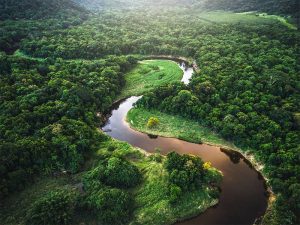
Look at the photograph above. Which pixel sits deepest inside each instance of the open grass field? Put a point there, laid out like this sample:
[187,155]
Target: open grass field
[149,74]
[173,126]
[152,201]
[224,17]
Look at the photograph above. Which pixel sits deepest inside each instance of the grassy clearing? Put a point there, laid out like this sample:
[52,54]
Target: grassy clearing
[173,126]
[283,20]
[149,74]
[229,17]
[152,205]
[244,17]
[21,54]
[152,202]
[151,197]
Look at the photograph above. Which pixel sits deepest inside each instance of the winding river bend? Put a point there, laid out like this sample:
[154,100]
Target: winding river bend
[243,197]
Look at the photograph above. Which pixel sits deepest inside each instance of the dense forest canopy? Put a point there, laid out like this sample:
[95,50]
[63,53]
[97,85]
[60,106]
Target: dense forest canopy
[62,67]
[281,7]
[39,9]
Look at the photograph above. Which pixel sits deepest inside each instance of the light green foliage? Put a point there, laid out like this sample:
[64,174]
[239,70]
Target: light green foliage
[152,122]
[156,197]
[100,202]
[149,74]
[279,18]
[173,126]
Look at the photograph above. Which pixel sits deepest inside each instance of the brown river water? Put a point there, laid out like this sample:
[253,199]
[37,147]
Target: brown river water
[243,191]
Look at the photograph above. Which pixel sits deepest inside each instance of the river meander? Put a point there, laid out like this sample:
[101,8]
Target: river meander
[243,193]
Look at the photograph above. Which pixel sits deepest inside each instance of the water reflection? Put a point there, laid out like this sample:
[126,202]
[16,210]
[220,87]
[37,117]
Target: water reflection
[233,155]
[152,136]
[243,197]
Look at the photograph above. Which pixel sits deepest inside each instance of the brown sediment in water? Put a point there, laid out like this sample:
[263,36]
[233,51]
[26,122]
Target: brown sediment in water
[244,196]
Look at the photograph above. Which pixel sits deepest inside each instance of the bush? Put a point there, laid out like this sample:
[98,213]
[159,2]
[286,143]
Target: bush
[121,173]
[156,157]
[207,165]
[152,122]
[56,207]
[174,193]
[184,171]
[114,172]
[110,206]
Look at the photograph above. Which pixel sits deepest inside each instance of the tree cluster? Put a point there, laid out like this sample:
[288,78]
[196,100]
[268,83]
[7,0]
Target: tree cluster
[56,207]
[49,114]
[186,172]
[106,194]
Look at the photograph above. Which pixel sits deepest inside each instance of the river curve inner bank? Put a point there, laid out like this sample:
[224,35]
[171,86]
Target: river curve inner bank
[244,196]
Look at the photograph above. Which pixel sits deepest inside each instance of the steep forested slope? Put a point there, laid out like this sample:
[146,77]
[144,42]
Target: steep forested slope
[38,9]
[272,6]
[282,7]
[131,4]
[279,7]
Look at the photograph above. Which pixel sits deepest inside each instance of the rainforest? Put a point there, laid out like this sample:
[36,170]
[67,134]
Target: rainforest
[149,112]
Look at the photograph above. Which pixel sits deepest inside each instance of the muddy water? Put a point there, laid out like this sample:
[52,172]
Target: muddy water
[243,196]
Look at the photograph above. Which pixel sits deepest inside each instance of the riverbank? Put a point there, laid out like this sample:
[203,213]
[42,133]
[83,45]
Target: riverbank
[149,74]
[188,61]
[152,204]
[152,198]
[188,130]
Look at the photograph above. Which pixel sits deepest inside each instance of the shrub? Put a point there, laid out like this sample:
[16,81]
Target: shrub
[121,173]
[152,122]
[111,148]
[114,172]
[56,207]
[207,165]
[110,206]
[184,171]
[174,193]
[156,157]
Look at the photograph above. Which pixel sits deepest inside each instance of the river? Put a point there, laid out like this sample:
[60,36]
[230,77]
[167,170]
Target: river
[243,193]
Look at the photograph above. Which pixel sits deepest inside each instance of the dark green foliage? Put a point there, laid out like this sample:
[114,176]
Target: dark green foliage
[174,193]
[156,157]
[22,18]
[247,90]
[121,173]
[72,138]
[37,9]
[250,96]
[48,114]
[185,171]
[110,206]
[115,172]
[56,207]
